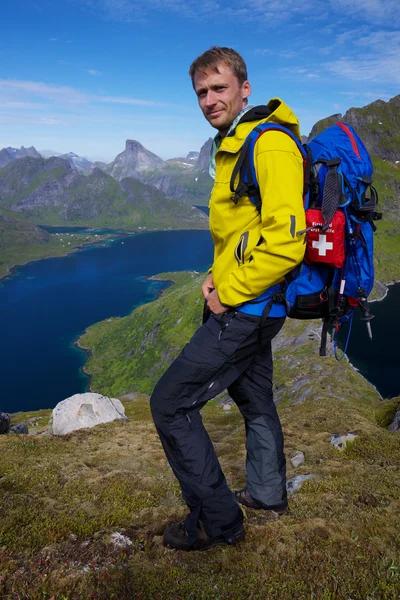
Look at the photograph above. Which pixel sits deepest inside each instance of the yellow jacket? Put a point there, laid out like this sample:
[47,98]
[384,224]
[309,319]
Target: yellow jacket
[253,252]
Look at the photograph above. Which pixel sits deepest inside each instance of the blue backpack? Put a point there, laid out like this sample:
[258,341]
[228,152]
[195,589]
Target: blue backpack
[337,273]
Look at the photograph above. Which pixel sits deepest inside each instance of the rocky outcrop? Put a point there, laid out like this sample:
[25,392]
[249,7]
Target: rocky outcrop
[322,125]
[395,425]
[204,156]
[85,410]
[20,428]
[4,423]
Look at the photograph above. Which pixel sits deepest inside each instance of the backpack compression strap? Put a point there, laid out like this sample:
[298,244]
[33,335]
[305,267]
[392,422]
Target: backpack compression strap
[245,168]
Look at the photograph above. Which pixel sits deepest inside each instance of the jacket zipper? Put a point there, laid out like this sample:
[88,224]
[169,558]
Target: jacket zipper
[241,248]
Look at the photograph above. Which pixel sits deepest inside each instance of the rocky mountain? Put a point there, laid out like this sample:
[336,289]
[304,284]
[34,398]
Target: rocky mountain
[179,178]
[134,161]
[378,125]
[53,191]
[192,157]
[204,156]
[9,154]
[82,164]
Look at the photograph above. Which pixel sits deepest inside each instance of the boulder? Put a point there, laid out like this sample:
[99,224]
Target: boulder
[20,428]
[340,441]
[4,422]
[85,410]
[295,483]
[298,459]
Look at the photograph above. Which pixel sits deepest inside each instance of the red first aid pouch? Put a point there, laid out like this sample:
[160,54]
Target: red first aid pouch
[325,246]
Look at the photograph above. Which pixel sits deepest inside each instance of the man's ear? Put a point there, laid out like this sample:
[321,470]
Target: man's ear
[246,89]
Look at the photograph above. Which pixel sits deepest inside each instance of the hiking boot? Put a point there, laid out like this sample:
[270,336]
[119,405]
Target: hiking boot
[244,497]
[176,536]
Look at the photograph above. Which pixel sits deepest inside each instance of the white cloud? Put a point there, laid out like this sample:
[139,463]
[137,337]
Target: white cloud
[93,72]
[269,11]
[53,40]
[10,119]
[63,94]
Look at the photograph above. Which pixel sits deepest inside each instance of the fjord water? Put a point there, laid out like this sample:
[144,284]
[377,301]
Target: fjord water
[46,305]
[378,360]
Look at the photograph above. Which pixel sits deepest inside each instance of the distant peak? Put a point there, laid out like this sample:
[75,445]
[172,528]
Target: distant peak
[132,145]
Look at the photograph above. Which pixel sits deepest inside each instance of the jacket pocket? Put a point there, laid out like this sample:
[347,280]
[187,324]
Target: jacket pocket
[241,248]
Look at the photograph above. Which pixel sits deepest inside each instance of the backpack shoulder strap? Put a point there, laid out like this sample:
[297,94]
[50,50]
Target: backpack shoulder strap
[245,168]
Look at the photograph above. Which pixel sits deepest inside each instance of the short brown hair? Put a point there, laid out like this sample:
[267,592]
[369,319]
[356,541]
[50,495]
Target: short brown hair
[216,55]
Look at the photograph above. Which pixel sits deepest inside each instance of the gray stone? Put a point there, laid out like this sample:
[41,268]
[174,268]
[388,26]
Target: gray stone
[226,407]
[303,396]
[4,422]
[298,459]
[20,428]
[85,410]
[295,483]
[131,396]
[340,441]
[395,426]
[120,541]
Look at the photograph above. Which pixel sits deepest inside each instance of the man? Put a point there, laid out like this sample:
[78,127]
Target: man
[253,251]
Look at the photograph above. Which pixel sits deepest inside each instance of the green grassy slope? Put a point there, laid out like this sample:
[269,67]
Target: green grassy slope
[50,192]
[22,241]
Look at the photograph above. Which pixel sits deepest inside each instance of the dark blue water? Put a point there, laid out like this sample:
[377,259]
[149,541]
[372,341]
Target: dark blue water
[378,360]
[46,305]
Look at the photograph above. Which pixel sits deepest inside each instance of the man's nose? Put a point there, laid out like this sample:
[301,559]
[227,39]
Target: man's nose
[211,98]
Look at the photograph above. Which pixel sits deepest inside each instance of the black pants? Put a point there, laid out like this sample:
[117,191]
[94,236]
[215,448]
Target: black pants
[226,352]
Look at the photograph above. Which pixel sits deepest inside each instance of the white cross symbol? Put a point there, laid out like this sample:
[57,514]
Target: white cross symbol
[322,245]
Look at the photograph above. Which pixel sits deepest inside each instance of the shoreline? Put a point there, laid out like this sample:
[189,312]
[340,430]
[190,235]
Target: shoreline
[12,268]
[89,351]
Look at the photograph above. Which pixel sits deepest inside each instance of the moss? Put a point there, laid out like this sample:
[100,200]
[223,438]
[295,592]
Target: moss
[69,494]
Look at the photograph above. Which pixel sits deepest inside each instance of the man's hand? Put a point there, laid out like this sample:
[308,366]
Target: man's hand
[208,286]
[214,304]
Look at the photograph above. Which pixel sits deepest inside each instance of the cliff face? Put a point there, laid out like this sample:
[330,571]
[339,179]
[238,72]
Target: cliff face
[204,156]
[378,125]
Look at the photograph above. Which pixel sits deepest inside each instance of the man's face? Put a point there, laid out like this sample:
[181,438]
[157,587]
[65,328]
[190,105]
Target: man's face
[220,96]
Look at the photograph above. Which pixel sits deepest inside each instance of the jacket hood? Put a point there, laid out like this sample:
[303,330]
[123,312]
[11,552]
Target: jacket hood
[276,111]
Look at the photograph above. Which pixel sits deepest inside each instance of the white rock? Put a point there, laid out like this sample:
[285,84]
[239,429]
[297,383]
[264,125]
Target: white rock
[227,407]
[295,483]
[85,410]
[121,541]
[340,441]
[298,459]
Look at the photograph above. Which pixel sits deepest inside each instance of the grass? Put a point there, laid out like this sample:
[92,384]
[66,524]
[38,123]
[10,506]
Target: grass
[63,498]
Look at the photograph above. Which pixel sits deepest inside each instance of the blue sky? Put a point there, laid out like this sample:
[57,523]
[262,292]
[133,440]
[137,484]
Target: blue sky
[85,75]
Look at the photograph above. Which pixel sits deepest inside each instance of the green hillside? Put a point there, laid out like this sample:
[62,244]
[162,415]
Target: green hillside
[22,241]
